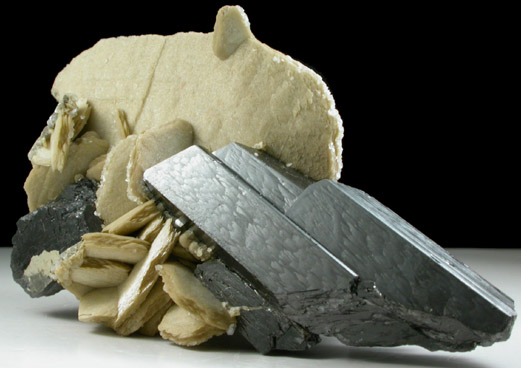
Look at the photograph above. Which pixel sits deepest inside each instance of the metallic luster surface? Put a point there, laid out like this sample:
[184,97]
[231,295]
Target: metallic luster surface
[275,181]
[55,226]
[246,226]
[330,257]
[407,267]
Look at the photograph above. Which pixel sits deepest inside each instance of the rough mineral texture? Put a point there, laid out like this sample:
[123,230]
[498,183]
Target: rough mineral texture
[333,259]
[421,284]
[265,327]
[227,84]
[55,226]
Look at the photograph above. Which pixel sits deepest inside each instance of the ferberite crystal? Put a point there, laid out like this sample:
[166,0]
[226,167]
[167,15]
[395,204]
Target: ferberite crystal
[55,226]
[329,257]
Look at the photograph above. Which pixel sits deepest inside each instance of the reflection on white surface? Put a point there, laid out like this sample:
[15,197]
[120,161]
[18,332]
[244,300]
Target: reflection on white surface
[45,332]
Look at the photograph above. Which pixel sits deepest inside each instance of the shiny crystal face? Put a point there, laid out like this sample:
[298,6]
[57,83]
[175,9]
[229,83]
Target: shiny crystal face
[328,256]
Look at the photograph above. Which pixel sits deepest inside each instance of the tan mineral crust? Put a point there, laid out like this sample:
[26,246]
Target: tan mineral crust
[230,86]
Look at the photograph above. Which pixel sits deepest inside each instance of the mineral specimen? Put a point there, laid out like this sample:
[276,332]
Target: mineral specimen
[240,241]
[335,261]
[53,227]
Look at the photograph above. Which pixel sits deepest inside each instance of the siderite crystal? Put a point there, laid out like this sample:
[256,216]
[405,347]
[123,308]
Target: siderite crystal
[329,257]
[45,232]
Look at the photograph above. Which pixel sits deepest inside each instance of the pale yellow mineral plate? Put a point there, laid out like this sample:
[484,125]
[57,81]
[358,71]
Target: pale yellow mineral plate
[227,84]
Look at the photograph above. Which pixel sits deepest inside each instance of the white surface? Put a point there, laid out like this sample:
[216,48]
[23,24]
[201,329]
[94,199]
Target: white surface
[45,332]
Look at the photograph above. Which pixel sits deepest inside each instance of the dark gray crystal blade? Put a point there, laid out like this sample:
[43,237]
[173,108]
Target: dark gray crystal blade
[321,211]
[288,267]
[274,180]
[54,226]
[260,322]
[318,286]
[249,231]
[246,226]
[409,269]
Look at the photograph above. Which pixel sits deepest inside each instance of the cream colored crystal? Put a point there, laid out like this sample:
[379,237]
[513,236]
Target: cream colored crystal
[117,306]
[182,253]
[144,274]
[155,301]
[96,167]
[195,246]
[231,29]
[99,306]
[115,247]
[188,292]
[70,259]
[186,329]
[44,184]
[100,273]
[60,141]
[255,94]
[153,146]
[121,123]
[112,201]
[150,327]
[149,232]
[133,220]
[52,147]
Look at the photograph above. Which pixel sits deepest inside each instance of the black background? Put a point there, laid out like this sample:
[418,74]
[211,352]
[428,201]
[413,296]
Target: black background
[426,93]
